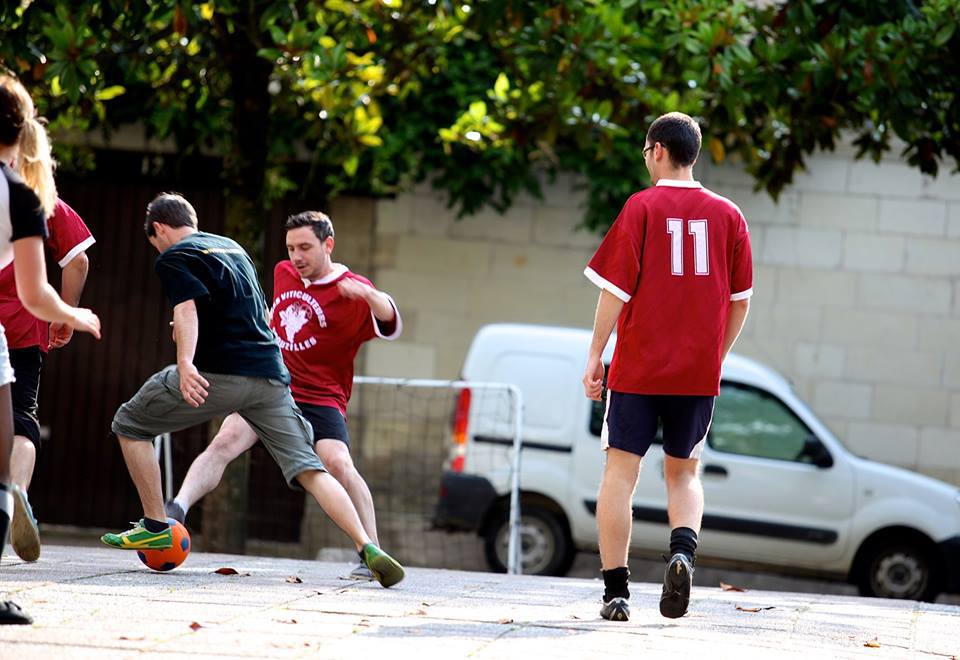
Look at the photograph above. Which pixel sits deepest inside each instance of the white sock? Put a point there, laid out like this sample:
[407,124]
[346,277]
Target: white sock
[6,513]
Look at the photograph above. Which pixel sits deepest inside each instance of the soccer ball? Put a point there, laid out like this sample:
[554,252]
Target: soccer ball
[169,559]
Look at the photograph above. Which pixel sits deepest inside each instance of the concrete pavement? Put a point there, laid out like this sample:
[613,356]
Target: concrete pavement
[87,602]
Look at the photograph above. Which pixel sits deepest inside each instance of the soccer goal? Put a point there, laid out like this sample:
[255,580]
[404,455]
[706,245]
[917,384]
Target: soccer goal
[407,437]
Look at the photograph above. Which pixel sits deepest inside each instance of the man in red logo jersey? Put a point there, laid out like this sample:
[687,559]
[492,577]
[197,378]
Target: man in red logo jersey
[322,314]
[676,275]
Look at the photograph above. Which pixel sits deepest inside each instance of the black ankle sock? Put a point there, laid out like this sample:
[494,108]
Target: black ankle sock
[615,583]
[684,541]
[155,526]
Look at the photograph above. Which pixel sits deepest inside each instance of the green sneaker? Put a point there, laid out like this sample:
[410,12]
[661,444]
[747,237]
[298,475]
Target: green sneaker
[138,538]
[385,568]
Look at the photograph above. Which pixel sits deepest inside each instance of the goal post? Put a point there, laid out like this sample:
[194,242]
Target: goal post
[383,406]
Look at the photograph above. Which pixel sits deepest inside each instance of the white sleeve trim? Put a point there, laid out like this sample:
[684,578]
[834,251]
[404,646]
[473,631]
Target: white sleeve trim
[743,295]
[77,249]
[398,328]
[594,277]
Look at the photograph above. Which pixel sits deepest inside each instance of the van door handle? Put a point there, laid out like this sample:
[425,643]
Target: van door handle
[718,470]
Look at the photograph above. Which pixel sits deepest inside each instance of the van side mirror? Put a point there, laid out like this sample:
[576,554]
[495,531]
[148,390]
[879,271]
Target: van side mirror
[817,454]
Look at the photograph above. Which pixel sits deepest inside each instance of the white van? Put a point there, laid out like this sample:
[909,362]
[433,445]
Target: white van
[781,491]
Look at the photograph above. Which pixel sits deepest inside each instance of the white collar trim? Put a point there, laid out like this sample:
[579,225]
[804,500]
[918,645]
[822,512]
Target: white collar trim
[677,183]
[338,270]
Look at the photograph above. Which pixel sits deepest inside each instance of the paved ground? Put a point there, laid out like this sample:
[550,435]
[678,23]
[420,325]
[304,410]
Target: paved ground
[91,601]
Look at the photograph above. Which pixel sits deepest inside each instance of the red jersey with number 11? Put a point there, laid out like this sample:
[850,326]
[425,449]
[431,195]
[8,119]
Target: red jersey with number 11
[676,255]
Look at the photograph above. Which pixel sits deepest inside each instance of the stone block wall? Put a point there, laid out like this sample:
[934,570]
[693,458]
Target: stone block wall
[857,292]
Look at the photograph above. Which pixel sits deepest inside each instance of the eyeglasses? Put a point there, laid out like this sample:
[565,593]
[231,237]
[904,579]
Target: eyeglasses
[647,149]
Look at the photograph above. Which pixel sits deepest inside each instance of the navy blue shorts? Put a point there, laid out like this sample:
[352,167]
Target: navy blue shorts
[632,420]
[327,422]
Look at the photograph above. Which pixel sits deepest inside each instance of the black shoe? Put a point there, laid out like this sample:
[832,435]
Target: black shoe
[617,609]
[175,511]
[11,614]
[677,580]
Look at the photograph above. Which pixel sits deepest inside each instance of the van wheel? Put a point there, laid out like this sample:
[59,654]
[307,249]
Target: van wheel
[545,546]
[899,570]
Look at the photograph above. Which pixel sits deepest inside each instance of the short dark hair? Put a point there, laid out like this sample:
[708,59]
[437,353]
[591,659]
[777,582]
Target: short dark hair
[319,222]
[169,209]
[680,134]
[12,116]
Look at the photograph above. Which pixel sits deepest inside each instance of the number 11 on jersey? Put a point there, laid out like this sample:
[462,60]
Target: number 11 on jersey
[696,228]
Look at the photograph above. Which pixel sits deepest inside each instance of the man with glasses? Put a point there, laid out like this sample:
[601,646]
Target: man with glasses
[676,275]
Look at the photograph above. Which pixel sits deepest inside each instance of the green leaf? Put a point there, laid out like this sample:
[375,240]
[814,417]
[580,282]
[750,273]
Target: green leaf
[478,110]
[270,54]
[108,93]
[944,34]
[501,86]
[742,52]
[350,165]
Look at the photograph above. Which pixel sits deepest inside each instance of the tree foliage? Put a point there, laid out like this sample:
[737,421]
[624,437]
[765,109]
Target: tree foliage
[485,97]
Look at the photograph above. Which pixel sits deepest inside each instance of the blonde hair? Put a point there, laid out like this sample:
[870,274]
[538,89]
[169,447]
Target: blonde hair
[35,161]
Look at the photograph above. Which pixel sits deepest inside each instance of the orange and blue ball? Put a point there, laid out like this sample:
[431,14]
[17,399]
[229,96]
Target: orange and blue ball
[170,558]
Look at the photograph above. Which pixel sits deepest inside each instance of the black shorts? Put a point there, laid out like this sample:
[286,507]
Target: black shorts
[632,420]
[328,422]
[26,363]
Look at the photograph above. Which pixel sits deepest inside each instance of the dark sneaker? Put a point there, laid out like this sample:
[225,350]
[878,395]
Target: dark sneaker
[11,614]
[360,573]
[677,580]
[175,511]
[140,538]
[618,609]
[24,533]
[386,570]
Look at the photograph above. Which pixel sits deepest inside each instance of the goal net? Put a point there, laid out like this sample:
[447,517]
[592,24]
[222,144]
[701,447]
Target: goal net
[409,438]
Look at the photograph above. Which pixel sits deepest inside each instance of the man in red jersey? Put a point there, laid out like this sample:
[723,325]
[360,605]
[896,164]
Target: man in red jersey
[322,314]
[676,275]
[29,339]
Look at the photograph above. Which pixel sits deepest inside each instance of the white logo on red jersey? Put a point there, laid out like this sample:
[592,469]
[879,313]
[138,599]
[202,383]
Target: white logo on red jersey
[294,316]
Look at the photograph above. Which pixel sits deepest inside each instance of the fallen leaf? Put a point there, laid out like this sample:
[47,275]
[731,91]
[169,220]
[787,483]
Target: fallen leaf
[195,626]
[505,621]
[293,579]
[754,609]
[872,644]
[226,571]
[730,587]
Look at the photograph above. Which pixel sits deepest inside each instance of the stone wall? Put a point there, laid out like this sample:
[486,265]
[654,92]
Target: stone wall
[857,292]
